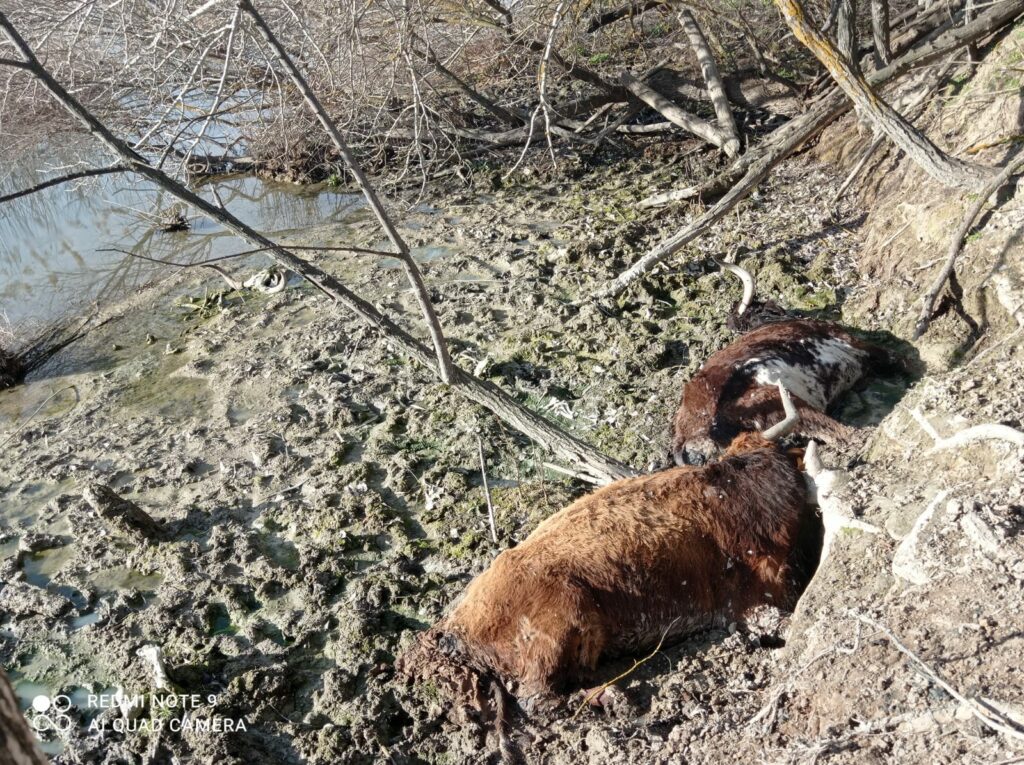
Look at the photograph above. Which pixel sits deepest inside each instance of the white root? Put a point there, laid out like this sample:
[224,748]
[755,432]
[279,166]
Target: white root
[780,429]
[906,563]
[154,656]
[745,277]
[835,515]
[986,432]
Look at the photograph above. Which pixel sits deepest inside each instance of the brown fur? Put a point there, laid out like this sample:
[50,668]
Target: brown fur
[724,399]
[679,550]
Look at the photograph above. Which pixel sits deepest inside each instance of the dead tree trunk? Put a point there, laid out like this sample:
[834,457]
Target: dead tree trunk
[947,170]
[713,80]
[482,392]
[17,742]
[846,33]
[677,116]
[880,32]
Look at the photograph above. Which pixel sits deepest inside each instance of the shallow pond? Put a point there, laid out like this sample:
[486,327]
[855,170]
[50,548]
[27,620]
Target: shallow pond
[52,243]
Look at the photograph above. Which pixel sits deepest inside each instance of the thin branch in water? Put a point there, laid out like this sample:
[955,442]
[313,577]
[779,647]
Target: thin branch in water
[253,251]
[67,178]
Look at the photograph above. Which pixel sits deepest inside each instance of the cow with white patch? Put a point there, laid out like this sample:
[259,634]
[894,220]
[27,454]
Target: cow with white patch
[734,392]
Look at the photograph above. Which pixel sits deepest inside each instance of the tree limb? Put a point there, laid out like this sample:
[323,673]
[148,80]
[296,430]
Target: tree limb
[18,744]
[947,170]
[629,10]
[67,178]
[713,80]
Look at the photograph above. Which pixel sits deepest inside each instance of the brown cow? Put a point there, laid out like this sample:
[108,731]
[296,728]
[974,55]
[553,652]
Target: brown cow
[642,558]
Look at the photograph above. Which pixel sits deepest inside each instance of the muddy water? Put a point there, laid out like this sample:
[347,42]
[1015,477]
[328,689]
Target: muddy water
[52,242]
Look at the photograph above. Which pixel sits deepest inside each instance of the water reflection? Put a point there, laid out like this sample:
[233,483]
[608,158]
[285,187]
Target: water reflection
[50,241]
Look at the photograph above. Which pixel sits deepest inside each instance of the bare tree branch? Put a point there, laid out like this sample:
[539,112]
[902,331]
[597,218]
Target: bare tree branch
[629,10]
[412,271]
[66,178]
[947,170]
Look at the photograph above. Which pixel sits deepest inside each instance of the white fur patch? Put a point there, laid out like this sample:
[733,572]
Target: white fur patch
[837,365]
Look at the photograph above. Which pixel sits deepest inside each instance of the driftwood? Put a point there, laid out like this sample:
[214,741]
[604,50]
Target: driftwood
[880,32]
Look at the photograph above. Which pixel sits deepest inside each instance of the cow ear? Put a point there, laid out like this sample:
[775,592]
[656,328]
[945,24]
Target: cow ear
[796,454]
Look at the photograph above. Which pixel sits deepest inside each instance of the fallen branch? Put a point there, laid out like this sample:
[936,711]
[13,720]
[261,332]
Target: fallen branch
[985,712]
[629,10]
[751,168]
[677,116]
[487,489]
[956,244]
[668,197]
[713,80]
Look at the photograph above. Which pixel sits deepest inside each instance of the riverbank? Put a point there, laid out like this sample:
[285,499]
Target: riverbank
[318,498]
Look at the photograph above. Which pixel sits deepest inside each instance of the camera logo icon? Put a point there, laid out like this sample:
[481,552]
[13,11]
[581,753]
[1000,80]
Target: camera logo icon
[51,714]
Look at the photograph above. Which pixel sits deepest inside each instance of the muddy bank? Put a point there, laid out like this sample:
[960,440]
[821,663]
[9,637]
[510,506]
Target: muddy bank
[315,499]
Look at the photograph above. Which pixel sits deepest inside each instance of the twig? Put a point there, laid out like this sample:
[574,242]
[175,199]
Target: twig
[572,473]
[956,244]
[36,411]
[487,490]
[118,168]
[358,250]
[988,716]
[596,692]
